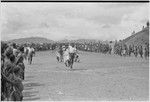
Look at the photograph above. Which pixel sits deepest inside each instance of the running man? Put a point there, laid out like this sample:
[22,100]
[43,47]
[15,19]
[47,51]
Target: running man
[72,51]
[66,57]
[31,52]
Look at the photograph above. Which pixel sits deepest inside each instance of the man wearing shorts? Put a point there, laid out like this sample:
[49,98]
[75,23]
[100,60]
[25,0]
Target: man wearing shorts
[72,51]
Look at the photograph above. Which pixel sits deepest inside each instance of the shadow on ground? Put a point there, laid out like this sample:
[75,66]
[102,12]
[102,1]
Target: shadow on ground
[77,69]
[29,94]
[32,84]
[68,69]
[28,77]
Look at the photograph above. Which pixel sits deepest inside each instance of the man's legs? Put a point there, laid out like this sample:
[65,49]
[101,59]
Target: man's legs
[58,58]
[31,59]
[72,59]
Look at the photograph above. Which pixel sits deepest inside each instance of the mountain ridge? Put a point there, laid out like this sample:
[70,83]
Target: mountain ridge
[139,38]
[31,40]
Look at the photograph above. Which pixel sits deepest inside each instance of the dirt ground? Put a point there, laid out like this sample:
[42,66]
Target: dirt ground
[97,77]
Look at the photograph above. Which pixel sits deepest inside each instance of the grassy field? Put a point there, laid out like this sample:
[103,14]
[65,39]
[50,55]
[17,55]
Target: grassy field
[97,77]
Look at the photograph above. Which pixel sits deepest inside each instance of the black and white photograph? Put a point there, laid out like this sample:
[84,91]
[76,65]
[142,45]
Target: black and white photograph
[74,51]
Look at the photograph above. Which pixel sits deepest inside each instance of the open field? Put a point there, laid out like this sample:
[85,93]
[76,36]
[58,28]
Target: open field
[96,77]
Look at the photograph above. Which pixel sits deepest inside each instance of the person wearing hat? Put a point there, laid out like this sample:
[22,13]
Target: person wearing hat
[9,60]
[14,48]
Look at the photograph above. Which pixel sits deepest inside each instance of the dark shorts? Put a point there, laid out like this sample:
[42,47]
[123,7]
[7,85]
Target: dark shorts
[72,55]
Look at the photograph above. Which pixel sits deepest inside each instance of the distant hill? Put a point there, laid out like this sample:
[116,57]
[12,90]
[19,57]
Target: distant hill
[45,40]
[63,41]
[31,40]
[139,38]
[87,40]
[79,41]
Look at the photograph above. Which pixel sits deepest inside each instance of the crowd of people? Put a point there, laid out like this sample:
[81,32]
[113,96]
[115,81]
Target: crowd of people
[128,50]
[82,46]
[117,48]
[97,47]
[13,70]
[13,56]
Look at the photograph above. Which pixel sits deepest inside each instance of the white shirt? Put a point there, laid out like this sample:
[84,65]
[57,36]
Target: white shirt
[30,50]
[14,51]
[72,49]
[66,53]
[57,54]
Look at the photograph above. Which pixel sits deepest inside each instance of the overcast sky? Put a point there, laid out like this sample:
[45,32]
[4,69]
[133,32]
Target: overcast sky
[55,21]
